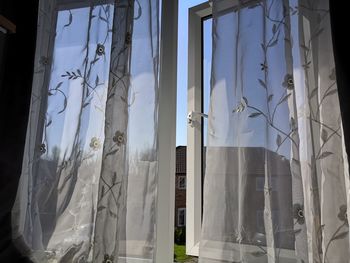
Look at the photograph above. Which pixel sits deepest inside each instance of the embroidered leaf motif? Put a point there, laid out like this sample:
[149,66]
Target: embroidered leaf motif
[341,235]
[285,98]
[279,140]
[139,11]
[307,65]
[331,92]
[245,100]
[313,92]
[100,208]
[292,123]
[254,115]
[103,19]
[318,33]
[70,19]
[110,96]
[114,178]
[274,43]
[64,104]
[112,214]
[324,155]
[324,135]
[274,28]
[297,231]
[332,75]
[304,47]
[59,85]
[85,104]
[262,83]
[49,123]
[263,47]
[95,60]
[270,98]
[112,152]
[297,162]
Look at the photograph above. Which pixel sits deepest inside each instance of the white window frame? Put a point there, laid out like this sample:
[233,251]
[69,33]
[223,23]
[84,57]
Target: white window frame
[179,210]
[164,250]
[194,131]
[194,136]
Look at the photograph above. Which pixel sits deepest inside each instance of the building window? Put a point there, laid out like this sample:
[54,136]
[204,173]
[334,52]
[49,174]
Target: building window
[181,182]
[181,217]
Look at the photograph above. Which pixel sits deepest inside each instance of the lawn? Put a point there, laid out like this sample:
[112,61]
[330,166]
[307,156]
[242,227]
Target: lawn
[180,254]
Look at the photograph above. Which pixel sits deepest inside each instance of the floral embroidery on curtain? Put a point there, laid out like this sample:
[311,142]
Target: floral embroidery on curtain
[88,186]
[274,117]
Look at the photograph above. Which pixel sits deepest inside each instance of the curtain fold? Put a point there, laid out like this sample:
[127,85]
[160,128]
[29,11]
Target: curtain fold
[276,184]
[89,178]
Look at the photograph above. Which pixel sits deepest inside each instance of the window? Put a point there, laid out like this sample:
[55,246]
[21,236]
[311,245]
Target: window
[181,182]
[197,108]
[199,71]
[181,217]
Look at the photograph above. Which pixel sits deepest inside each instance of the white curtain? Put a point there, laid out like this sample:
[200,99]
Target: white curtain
[276,185]
[88,187]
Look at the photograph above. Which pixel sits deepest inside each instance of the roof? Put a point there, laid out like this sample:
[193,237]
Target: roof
[250,159]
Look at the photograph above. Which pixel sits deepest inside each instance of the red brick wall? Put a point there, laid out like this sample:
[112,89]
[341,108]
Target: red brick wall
[180,197]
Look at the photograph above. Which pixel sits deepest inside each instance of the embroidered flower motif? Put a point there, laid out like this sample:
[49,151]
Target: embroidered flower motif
[108,259]
[342,215]
[288,82]
[119,138]
[44,60]
[64,164]
[241,106]
[95,143]
[263,66]
[298,213]
[100,50]
[42,148]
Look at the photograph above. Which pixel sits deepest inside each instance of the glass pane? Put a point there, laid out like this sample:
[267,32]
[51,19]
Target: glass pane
[67,173]
[248,136]
[206,64]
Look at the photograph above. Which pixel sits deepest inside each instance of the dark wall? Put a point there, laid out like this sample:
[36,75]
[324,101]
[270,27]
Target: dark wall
[341,43]
[15,89]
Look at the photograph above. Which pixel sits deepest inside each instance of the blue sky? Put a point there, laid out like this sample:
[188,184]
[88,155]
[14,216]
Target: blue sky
[181,116]
[140,132]
[257,136]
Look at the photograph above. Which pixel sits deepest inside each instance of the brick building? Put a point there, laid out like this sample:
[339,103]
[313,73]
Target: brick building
[254,159]
[180,187]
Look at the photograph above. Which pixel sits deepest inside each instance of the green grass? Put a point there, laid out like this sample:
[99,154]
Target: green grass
[180,253]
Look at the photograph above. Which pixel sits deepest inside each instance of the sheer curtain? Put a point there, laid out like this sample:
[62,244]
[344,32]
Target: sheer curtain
[88,187]
[276,185]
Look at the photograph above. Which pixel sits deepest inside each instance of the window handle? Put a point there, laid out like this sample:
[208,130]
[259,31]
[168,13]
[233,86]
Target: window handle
[192,115]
